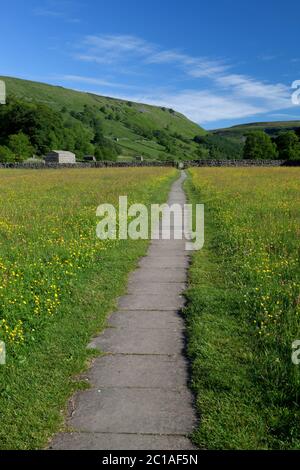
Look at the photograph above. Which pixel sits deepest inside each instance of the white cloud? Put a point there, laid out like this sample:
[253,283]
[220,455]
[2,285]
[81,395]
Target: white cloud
[194,67]
[199,106]
[205,106]
[57,10]
[273,96]
[47,12]
[119,48]
[229,96]
[92,81]
[286,117]
[267,57]
[109,49]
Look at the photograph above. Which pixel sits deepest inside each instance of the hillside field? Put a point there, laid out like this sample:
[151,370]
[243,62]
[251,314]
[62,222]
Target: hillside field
[130,124]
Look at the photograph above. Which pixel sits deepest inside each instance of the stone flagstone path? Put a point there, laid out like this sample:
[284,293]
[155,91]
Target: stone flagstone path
[139,397]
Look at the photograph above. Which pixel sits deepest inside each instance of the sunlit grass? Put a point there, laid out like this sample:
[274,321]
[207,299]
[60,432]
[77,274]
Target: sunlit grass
[57,283]
[251,264]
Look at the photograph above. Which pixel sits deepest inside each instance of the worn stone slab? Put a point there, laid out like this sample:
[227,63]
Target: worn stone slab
[132,410]
[138,372]
[146,319]
[140,341]
[168,244]
[170,238]
[157,288]
[178,261]
[102,441]
[150,301]
[164,275]
[167,235]
[176,199]
[139,397]
[157,251]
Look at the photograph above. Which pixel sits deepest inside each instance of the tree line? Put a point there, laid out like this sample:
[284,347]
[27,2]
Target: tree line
[257,145]
[30,128]
[285,146]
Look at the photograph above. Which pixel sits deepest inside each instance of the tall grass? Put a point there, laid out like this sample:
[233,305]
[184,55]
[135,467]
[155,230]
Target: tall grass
[253,230]
[57,283]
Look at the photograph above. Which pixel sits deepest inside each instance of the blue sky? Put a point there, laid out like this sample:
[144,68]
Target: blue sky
[220,62]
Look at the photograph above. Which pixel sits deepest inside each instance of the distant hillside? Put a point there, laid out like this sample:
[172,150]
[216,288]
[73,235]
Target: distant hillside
[271,128]
[139,129]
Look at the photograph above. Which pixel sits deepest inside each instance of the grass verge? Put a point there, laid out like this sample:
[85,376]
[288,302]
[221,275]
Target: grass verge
[40,374]
[232,366]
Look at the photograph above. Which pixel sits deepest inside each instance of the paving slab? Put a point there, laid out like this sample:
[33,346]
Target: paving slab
[178,261]
[157,288]
[167,319]
[157,251]
[104,441]
[140,341]
[168,244]
[139,398]
[168,235]
[129,371]
[133,410]
[150,301]
[170,275]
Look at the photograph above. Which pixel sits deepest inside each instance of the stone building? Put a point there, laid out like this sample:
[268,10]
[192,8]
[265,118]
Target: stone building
[60,156]
[89,158]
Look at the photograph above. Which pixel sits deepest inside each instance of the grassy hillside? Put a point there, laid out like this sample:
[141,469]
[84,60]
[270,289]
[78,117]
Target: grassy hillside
[140,129]
[271,128]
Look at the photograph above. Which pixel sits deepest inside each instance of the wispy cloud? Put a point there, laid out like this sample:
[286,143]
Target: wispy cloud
[197,67]
[93,81]
[109,49]
[57,10]
[286,117]
[267,57]
[121,48]
[217,92]
[47,12]
[200,106]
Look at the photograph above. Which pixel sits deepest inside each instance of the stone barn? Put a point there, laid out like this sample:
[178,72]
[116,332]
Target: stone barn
[89,158]
[60,156]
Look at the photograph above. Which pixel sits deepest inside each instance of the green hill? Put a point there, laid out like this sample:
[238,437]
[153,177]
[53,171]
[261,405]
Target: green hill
[272,128]
[136,128]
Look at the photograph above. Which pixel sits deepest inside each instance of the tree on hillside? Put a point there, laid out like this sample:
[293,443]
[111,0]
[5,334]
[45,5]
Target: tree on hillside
[288,145]
[199,139]
[6,155]
[105,149]
[258,146]
[20,146]
[218,147]
[77,138]
[46,129]
[42,125]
